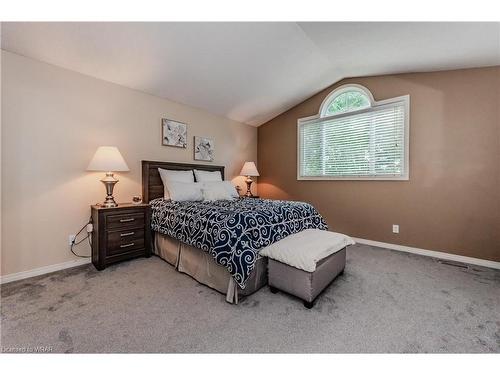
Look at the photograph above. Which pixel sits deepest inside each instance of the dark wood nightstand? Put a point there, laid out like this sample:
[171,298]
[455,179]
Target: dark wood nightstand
[120,233]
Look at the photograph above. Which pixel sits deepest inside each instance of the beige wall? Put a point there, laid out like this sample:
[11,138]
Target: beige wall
[0,154]
[452,201]
[53,121]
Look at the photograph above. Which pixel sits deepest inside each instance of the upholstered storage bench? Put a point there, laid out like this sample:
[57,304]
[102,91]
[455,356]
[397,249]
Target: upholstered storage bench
[305,263]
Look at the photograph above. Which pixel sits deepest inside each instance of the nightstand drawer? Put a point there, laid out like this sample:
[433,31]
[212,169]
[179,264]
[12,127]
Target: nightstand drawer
[125,220]
[119,247]
[124,236]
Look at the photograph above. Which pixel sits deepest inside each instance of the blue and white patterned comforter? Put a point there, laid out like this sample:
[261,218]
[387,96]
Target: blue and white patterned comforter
[234,231]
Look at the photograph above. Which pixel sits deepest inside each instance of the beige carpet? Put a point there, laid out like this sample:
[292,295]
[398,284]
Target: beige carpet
[385,302]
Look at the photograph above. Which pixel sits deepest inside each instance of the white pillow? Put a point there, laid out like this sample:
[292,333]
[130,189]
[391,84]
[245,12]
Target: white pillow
[168,175]
[227,185]
[204,176]
[214,191]
[184,191]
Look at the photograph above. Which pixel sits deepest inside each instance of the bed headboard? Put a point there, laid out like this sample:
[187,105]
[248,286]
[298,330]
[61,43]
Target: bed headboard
[152,186]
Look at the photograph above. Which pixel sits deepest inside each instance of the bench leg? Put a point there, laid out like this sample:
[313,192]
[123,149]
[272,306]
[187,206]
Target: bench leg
[308,305]
[273,289]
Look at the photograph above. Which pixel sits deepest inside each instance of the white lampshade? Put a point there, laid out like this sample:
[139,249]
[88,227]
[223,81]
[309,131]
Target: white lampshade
[249,169]
[108,159]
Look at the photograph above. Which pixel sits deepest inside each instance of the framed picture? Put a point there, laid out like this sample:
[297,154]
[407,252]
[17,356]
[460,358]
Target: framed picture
[174,133]
[203,149]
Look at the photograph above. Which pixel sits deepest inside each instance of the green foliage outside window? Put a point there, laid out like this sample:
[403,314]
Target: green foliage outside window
[348,101]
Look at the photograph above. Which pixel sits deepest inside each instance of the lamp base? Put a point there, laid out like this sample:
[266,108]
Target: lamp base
[249,184]
[109,182]
[109,203]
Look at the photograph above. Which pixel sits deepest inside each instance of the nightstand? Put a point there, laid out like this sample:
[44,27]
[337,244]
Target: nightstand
[120,233]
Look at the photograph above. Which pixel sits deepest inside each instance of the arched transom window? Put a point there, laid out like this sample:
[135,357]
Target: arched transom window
[346,99]
[355,137]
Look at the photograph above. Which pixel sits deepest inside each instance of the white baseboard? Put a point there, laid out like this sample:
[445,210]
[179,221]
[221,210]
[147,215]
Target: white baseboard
[414,250]
[431,253]
[43,270]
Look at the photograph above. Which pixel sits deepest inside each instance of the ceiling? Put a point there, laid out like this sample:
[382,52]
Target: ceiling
[250,72]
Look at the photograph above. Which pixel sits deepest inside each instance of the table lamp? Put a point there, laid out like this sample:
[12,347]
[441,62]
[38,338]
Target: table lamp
[108,159]
[249,170]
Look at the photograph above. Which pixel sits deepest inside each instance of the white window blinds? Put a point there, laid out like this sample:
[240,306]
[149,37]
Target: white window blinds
[367,144]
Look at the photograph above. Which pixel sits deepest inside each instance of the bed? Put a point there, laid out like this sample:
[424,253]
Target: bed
[218,242]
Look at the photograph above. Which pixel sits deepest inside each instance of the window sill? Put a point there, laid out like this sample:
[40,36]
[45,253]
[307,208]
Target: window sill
[368,178]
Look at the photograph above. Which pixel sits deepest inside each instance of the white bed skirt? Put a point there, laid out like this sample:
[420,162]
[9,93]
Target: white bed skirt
[202,267]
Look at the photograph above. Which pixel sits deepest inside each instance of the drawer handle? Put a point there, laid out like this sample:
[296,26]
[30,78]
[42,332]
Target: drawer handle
[127,234]
[126,220]
[128,245]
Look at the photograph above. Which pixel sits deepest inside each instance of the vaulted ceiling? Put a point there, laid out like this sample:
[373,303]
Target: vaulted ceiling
[250,72]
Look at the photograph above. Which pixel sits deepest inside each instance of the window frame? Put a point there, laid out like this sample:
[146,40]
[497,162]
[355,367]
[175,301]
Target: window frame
[374,105]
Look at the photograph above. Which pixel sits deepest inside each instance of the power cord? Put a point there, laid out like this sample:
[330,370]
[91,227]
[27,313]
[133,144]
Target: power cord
[87,237]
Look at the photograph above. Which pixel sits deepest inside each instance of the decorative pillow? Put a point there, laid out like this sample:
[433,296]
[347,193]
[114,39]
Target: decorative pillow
[214,191]
[204,176]
[228,186]
[231,189]
[168,175]
[184,191]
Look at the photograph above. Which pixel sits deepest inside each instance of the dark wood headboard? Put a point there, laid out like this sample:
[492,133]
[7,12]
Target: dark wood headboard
[152,186]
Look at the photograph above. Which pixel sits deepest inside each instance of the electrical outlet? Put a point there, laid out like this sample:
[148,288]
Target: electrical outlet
[395,228]
[71,239]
